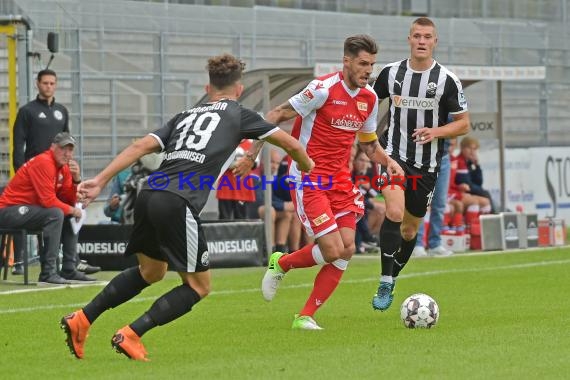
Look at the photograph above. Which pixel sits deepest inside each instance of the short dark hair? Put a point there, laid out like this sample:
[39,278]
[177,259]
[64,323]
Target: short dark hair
[355,44]
[46,72]
[224,70]
[424,21]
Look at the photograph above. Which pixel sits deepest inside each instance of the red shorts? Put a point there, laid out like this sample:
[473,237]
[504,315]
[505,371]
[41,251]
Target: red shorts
[322,211]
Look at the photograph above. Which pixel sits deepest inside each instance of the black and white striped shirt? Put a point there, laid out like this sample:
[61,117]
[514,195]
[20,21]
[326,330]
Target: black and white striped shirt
[418,99]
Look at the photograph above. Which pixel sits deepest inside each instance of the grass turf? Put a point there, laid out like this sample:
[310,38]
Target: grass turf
[502,316]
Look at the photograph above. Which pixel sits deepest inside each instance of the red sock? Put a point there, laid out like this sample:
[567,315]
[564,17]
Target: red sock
[303,258]
[457,220]
[325,284]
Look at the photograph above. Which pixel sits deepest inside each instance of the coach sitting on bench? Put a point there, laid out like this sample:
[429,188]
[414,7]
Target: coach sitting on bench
[42,196]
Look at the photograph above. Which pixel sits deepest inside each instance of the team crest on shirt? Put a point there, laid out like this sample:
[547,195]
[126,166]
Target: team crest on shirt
[58,115]
[431,88]
[23,210]
[362,106]
[205,259]
[307,96]
[320,219]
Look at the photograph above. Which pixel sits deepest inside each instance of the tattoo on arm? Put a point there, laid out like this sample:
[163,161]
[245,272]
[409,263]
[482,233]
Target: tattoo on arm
[369,147]
[255,149]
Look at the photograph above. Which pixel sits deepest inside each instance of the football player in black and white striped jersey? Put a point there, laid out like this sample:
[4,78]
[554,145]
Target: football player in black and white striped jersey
[422,94]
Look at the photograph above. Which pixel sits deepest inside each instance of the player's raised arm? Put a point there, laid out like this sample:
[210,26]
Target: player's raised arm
[277,115]
[294,148]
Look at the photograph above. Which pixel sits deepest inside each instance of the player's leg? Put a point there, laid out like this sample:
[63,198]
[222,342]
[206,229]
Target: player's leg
[418,198]
[390,241]
[314,211]
[409,229]
[183,244]
[125,285]
[331,273]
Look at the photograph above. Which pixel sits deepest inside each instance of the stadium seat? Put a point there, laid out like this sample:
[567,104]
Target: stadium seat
[6,238]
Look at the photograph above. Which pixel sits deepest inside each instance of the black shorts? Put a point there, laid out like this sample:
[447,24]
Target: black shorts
[418,187]
[167,229]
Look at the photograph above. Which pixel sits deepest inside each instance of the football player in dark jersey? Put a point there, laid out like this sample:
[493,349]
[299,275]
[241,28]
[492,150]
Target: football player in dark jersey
[198,145]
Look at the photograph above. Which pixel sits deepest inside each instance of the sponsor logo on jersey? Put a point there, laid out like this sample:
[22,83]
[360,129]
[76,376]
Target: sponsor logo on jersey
[320,219]
[414,103]
[347,123]
[431,88]
[340,102]
[362,106]
[58,115]
[42,115]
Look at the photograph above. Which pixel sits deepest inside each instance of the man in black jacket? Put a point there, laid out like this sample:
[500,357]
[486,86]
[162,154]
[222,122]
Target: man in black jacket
[39,121]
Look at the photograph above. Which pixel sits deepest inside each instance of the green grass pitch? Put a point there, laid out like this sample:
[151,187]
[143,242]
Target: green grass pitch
[503,316]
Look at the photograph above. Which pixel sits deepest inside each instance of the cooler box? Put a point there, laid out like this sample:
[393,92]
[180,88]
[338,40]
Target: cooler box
[499,232]
[551,232]
[456,243]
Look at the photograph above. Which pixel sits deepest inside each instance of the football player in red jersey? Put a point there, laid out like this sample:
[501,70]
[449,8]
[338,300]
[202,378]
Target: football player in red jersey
[329,114]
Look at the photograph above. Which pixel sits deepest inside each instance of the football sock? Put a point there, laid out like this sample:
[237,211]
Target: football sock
[401,258]
[303,258]
[325,283]
[457,220]
[390,240]
[280,248]
[122,288]
[167,308]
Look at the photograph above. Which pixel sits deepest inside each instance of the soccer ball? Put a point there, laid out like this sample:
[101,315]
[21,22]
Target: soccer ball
[419,310]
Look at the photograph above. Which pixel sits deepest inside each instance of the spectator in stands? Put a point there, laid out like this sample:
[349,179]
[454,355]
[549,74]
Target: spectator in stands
[374,210]
[459,200]
[232,193]
[36,125]
[113,208]
[42,196]
[437,210]
[469,172]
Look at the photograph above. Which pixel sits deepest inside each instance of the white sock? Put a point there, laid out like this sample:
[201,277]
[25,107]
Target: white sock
[387,279]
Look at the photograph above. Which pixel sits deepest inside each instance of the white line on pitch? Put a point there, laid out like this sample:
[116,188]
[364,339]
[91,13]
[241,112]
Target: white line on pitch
[306,285]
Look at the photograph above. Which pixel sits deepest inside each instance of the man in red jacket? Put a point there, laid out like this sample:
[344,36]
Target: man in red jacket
[40,197]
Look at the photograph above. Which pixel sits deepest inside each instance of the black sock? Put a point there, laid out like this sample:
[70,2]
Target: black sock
[390,240]
[280,248]
[122,288]
[167,308]
[402,257]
